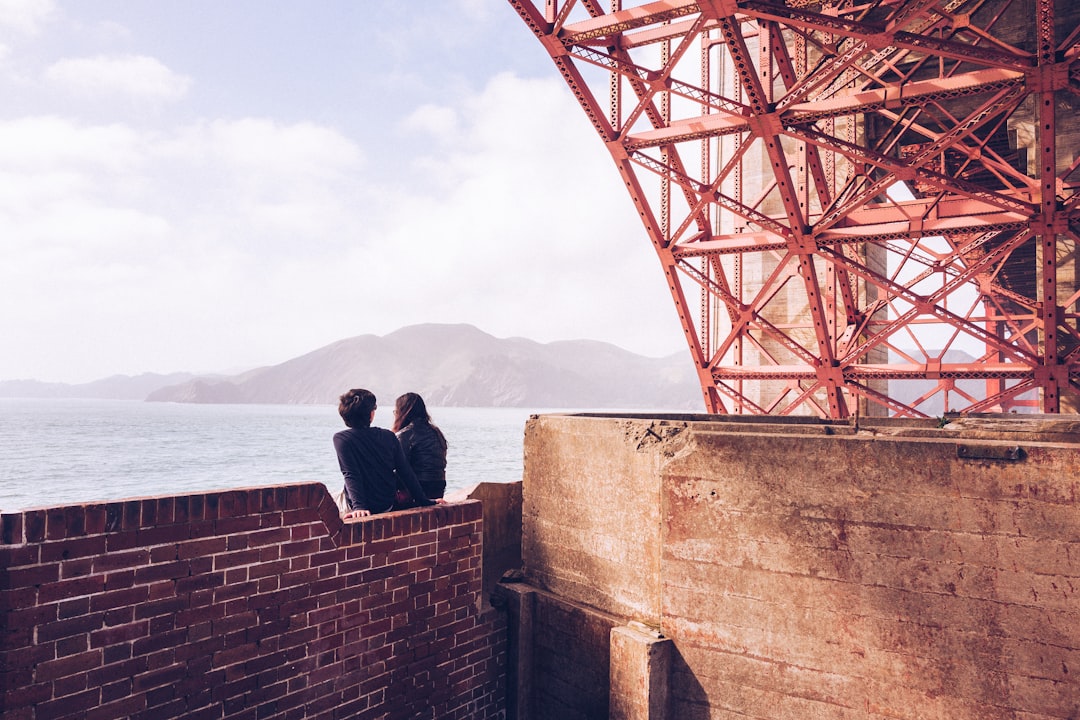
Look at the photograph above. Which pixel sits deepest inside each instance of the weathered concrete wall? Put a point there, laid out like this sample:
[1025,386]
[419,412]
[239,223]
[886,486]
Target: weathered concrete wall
[559,665]
[245,604]
[502,529]
[591,510]
[819,570]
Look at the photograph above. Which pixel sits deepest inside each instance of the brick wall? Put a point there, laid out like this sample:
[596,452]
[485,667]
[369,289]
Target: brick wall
[248,604]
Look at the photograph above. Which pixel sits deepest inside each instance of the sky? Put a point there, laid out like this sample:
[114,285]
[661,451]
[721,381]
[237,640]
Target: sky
[208,186]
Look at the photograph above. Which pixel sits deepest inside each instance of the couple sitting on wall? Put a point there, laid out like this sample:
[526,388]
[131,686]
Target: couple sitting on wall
[386,471]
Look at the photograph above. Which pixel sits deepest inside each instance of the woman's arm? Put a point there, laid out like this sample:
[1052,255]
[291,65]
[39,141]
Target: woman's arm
[408,477]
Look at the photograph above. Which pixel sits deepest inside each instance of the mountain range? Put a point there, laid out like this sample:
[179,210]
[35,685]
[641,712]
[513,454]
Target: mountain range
[449,365]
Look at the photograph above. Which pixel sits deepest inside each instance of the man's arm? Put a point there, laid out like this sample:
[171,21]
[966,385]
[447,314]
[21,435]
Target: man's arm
[354,488]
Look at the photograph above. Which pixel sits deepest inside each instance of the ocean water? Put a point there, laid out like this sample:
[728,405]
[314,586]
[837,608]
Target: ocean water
[63,452]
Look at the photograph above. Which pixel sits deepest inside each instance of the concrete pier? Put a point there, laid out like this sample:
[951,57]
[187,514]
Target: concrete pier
[801,568]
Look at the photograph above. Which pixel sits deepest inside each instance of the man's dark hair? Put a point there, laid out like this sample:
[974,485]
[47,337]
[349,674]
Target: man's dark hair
[356,407]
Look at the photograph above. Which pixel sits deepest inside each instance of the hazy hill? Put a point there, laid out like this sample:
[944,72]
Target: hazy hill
[450,365]
[459,365]
[117,387]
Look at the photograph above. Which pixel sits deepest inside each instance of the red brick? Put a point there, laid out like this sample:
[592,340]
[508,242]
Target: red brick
[302,578]
[11,528]
[63,667]
[165,677]
[34,525]
[69,685]
[72,608]
[268,568]
[50,592]
[162,702]
[232,623]
[162,658]
[194,651]
[234,655]
[154,643]
[233,504]
[122,540]
[163,554]
[106,562]
[93,519]
[131,514]
[201,548]
[71,706]
[28,576]
[162,623]
[211,503]
[77,567]
[267,585]
[24,658]
[300,547]
[72,645]
[199,631]
[238,527]
[119,616]
[199,614]
[119,580]
[199,582]
[123,707]
[202,529]
[166,510]
[162,535]
[56,527]
[163,571]
[68,628]
[170,604]
[202,565]
[24,695]
[12,557]
[237,577]
[233,559]
[161,589]
[195,507]
[271,536]
[120,598]
[119,634]
[116,653]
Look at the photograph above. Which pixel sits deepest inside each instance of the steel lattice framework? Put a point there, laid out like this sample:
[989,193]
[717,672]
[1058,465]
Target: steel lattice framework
[858,206]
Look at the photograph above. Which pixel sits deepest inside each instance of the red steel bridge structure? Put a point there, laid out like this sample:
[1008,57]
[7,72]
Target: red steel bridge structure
[859,207]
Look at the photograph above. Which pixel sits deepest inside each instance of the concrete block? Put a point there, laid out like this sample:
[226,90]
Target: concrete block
[640,668]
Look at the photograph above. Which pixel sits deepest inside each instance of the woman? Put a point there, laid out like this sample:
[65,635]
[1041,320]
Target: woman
[423,443]
[371,460]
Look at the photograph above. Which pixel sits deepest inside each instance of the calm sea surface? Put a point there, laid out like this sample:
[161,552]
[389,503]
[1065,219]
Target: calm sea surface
[62,452]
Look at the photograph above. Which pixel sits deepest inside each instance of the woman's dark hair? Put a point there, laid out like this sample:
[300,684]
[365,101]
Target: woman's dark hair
[356,407]
[409,409]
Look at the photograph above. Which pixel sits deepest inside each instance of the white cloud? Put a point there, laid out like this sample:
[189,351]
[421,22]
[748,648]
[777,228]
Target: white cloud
[439,122]
[133,76]
[167,239]
[522,227]
[26,16]
[226,243]
[35,144]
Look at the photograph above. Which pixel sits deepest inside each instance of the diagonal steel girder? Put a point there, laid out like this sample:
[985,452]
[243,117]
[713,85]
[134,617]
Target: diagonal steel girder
[784,140]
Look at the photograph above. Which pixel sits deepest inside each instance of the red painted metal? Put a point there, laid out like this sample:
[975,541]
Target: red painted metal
[859,207]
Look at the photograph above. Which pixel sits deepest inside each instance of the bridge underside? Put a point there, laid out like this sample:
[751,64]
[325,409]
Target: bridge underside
[858,207]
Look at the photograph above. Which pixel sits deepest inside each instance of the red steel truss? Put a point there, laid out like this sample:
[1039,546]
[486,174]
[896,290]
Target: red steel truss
[858,206]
